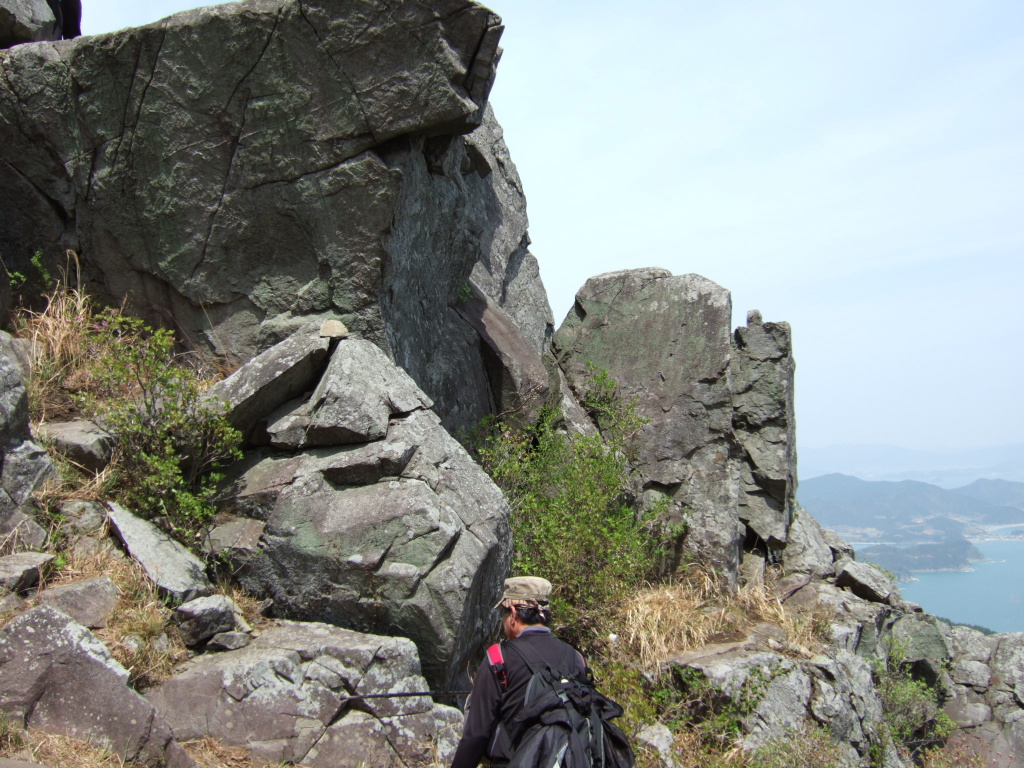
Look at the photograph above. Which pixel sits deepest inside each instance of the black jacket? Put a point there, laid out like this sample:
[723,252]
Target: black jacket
[489,705]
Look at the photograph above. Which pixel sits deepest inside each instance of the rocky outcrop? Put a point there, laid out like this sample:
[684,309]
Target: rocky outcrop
[295,695]
[56,677]
[719,441]
[171,159]
[24,466]
[986,694]
[764,429]
[365,513]
[26,21]
[777,697]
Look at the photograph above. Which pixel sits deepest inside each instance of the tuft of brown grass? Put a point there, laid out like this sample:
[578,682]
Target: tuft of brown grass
[697,609]
[65,752]
[139,633]
[210,753]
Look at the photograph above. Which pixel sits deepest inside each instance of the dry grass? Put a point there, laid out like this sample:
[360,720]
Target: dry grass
[698,609]
[212,754]
[65,752]
[139,634]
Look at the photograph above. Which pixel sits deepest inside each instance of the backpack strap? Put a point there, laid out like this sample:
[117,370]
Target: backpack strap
[497,662]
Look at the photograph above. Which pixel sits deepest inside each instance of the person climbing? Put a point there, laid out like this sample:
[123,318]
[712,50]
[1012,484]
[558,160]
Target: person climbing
[533,701]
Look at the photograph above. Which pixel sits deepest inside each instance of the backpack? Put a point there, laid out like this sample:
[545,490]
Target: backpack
[565,721]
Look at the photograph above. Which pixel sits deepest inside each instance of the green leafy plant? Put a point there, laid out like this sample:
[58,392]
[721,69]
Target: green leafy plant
[170,442]
[572,519]
[911,706]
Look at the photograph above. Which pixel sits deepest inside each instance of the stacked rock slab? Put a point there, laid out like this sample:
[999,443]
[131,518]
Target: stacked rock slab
[234,171]
[293,695]
[719,441]
[369,515]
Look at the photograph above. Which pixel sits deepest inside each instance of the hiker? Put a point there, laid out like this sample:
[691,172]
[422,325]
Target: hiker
[493,705]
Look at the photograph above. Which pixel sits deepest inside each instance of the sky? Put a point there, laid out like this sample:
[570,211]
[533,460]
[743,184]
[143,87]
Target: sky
[854,169]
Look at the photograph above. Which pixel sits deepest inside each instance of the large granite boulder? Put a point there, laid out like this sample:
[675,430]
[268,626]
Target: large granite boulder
[56,677]
[665,340]
[238,170]
[720,437]
[293,695]
[374,517]
[26,21]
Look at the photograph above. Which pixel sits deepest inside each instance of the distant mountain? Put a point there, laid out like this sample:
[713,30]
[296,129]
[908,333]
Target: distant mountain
[905,511]
[886,462]
[1002,492]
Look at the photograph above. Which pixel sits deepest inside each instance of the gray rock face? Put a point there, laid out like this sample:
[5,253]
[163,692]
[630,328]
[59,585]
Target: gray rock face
[518,378]
[176,571]
[665,340]
[986,694]
[21,533]
[13,397]
[204,617]
[89,602]
[865,580]
[785,695]
[292,695]
[237,221]
[26,21]
[235,539]
[23,570]
[357,395]
[374,518]
[271,378]
[720,442]
[405,534]
[807,550]
[56,677]
[80,441]
[764,427]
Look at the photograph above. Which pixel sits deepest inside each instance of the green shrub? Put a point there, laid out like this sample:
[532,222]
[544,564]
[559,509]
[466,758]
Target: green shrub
[572,520]
[911,705]
[169,441]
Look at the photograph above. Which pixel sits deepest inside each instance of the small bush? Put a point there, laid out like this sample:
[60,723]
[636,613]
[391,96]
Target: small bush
[169,440]
[911,706]
[571,517]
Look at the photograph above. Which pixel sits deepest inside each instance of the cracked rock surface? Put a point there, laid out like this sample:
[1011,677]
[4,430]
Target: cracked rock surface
[380,523]
[238,170]
[293,695]
[57,677]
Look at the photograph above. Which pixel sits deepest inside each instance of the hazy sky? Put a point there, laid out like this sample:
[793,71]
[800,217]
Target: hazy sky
[856,169]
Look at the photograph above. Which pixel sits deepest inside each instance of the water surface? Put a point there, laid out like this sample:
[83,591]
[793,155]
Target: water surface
[992,595]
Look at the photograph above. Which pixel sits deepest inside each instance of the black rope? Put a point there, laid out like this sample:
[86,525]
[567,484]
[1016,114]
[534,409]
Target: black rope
[414,693]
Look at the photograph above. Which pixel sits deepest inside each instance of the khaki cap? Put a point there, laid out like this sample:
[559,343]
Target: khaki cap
[529,590]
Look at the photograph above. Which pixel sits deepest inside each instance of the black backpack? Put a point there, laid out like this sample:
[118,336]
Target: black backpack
[565,721]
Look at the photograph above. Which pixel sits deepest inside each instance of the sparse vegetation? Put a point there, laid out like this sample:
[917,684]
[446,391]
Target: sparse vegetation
[572,519]
[127,377]
[139,634]
[915,720]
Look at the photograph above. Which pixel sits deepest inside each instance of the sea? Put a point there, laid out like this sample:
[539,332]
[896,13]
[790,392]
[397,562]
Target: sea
[992,595]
